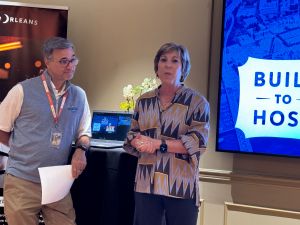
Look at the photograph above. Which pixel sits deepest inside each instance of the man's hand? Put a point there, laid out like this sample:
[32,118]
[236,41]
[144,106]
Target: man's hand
[78,162]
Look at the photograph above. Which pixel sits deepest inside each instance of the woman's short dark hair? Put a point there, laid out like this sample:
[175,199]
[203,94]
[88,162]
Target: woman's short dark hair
[55,43]
[184,56]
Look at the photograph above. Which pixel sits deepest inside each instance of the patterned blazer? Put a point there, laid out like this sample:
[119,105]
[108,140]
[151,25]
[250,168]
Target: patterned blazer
[186,119]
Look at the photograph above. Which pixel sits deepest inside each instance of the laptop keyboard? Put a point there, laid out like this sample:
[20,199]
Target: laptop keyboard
[106,143]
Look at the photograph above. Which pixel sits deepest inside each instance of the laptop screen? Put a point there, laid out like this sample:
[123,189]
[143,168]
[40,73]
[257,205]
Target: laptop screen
[110,125]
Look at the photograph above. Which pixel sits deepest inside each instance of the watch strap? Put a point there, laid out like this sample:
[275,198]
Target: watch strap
[163,148]
[83,147]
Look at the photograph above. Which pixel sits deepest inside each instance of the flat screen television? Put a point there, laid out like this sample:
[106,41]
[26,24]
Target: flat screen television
[259,85]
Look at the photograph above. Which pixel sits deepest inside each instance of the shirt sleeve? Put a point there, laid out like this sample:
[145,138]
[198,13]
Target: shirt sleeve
[85,122]
[134,130]
[10,108]
[196,138]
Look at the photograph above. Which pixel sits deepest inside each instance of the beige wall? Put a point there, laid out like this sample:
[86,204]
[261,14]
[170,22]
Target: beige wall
[116,41]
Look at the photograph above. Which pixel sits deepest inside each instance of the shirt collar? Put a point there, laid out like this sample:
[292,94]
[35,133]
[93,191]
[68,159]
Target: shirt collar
[63,90]
[178,92]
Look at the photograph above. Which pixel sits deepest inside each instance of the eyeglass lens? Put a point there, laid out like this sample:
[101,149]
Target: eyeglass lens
[65,62]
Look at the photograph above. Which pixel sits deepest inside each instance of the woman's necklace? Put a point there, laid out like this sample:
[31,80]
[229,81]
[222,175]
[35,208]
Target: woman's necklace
[166,101]
[165,105]
[166,97]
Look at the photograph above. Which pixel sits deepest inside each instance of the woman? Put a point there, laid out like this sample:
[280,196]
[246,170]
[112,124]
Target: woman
[169,131]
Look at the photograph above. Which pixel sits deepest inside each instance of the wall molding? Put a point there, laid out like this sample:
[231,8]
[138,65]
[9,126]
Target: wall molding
[201,213]
[229,206]
[215,176]
[229,177]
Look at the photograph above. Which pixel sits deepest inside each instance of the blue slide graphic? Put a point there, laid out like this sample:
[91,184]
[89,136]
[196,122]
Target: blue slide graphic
[262,36]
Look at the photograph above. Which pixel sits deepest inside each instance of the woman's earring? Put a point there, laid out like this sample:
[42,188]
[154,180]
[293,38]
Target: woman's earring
[181,79]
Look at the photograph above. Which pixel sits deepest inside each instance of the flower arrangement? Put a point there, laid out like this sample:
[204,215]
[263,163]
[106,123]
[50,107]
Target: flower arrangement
[131,93]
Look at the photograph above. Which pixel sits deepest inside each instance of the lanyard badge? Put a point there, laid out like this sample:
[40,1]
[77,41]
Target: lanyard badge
[56,135]
[55,138]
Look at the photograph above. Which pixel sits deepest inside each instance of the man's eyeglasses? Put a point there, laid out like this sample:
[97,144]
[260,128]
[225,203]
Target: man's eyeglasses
[65,62]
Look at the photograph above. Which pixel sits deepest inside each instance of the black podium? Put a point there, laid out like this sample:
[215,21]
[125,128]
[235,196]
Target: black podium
[103,194]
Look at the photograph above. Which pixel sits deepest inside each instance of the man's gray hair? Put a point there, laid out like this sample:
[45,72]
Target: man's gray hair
[55,43]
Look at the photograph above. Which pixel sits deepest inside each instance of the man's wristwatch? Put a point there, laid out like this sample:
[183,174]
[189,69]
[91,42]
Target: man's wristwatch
[83,147]
[163,148]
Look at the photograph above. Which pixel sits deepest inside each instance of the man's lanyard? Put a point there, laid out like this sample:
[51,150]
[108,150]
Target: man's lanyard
[55,116]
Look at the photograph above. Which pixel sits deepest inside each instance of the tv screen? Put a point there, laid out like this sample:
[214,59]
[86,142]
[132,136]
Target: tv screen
[259,85]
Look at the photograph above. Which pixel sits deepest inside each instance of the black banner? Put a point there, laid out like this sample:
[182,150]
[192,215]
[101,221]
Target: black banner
[23,29]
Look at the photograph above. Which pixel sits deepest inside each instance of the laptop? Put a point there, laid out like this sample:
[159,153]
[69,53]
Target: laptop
[109,128]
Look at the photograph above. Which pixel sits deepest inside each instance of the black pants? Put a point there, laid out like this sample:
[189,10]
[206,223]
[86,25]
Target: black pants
[160,210]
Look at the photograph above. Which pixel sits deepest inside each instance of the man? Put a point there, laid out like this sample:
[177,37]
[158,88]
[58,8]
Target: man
[39,119]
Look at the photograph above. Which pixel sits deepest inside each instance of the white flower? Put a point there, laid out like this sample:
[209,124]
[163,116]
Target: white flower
[131,93]
[154,83]
[128,91]
[149,84]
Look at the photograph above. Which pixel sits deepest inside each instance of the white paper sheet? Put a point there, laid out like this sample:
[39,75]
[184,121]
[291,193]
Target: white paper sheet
[56,182]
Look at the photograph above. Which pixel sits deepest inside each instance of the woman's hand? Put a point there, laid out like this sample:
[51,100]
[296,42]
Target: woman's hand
[145,144]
